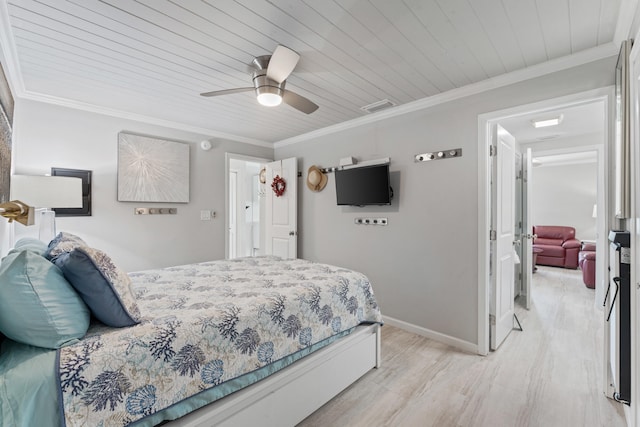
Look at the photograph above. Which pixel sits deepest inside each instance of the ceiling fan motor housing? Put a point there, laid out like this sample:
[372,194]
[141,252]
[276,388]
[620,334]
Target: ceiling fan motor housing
[263,84]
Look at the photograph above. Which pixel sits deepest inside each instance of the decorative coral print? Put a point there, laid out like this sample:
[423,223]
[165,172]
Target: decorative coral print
[202,325]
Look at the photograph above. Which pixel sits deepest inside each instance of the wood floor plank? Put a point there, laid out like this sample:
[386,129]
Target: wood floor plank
[548,375]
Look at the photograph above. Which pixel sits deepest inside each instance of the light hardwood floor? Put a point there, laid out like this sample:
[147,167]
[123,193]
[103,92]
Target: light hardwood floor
[548,375]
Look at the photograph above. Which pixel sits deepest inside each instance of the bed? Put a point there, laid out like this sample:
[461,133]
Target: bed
[253,340]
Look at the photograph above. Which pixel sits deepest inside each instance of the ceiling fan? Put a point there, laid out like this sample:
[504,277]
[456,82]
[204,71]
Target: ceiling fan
[269,80]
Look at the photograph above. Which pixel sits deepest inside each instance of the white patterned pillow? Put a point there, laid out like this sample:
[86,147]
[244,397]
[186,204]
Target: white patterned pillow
[104,287]
[64,242]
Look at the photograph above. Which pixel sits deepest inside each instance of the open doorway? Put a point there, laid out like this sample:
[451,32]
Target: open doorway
[487,122]
[566,180]
[245,206]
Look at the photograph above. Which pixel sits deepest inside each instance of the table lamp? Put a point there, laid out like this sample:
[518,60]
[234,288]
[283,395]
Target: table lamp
[44,193]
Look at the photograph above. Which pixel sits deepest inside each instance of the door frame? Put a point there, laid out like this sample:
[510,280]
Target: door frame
[485,121]
[227,168]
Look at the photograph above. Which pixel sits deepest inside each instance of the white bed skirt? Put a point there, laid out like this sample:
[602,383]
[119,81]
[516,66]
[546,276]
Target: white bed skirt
[292,394]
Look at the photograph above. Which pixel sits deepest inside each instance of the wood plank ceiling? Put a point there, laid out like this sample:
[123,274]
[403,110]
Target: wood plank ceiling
[154,57]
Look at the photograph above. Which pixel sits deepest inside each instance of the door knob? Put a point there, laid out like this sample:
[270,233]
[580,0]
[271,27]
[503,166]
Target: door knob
[292,233]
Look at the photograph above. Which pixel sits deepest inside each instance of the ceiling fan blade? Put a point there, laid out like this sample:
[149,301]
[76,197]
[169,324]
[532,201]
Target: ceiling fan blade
[228,91]
[299,102]
[282,63]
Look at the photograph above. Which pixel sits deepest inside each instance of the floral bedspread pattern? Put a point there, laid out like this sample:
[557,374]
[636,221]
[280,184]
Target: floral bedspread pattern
[203,324]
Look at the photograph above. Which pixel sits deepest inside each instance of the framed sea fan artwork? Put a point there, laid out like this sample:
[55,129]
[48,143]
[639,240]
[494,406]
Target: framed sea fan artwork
[152,169]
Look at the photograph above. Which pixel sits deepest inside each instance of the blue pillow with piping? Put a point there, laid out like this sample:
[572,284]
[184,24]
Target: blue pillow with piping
[30,244]
[104,287]
[37,305]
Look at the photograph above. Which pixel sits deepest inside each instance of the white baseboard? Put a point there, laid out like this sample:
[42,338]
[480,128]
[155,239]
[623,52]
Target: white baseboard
[436,336]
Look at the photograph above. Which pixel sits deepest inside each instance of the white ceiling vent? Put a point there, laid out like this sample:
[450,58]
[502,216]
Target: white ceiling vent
[377,106]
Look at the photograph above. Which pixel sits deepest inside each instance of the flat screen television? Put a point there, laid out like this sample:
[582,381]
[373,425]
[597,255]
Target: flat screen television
[365,185]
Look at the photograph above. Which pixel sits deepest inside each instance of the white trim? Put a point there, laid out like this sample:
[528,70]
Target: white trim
[436,336]
[16,82]
[626,15]
[558,64]
[8,47]
[625,19]
[84,106]
[484,227]
[484,195]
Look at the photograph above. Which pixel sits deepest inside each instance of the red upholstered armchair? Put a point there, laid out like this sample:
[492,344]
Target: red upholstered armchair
[587,261]
[559,245]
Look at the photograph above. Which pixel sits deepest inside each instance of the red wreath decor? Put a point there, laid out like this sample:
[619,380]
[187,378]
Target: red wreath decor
[278,185]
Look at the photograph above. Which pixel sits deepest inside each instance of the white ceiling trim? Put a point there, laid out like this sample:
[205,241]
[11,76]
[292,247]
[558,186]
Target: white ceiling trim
[628,9]
[14,76]
[140,118]
[11,64]
[559,64]
[622,28]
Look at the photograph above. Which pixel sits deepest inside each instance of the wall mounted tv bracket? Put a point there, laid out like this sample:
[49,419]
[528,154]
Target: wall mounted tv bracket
[439,155]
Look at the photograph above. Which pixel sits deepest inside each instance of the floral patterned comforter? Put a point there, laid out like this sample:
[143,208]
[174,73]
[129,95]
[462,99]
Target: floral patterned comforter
[204,324]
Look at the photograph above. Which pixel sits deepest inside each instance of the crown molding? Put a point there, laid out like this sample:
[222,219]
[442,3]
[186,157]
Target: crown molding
[539,70]
[626,15]
[63,102]
[11,67]
[8,53]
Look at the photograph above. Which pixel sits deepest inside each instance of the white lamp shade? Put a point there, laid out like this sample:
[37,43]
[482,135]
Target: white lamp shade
[47,191]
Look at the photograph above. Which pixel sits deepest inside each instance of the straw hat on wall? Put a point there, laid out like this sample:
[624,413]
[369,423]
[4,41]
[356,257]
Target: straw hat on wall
[316,180]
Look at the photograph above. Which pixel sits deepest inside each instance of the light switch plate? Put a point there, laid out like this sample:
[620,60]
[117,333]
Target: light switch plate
[205,215]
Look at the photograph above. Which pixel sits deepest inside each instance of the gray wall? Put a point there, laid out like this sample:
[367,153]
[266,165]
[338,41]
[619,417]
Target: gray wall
[423,265]
[565,195]
[51,136]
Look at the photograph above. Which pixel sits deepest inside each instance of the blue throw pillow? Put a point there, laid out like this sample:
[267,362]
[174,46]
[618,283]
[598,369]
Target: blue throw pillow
[37,305]
[104,287]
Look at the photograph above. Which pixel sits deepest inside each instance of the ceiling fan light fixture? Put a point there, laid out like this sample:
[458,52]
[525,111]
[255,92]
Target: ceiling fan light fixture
[269,99]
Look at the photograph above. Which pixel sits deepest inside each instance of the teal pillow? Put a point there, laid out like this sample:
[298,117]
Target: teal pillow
[37,305]
[104,287]
[30,244]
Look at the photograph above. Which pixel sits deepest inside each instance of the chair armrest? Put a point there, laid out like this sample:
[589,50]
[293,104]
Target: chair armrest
[571,244]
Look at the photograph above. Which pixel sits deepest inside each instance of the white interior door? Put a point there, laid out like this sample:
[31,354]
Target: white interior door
[527,227]
[281,216]
[501,307]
